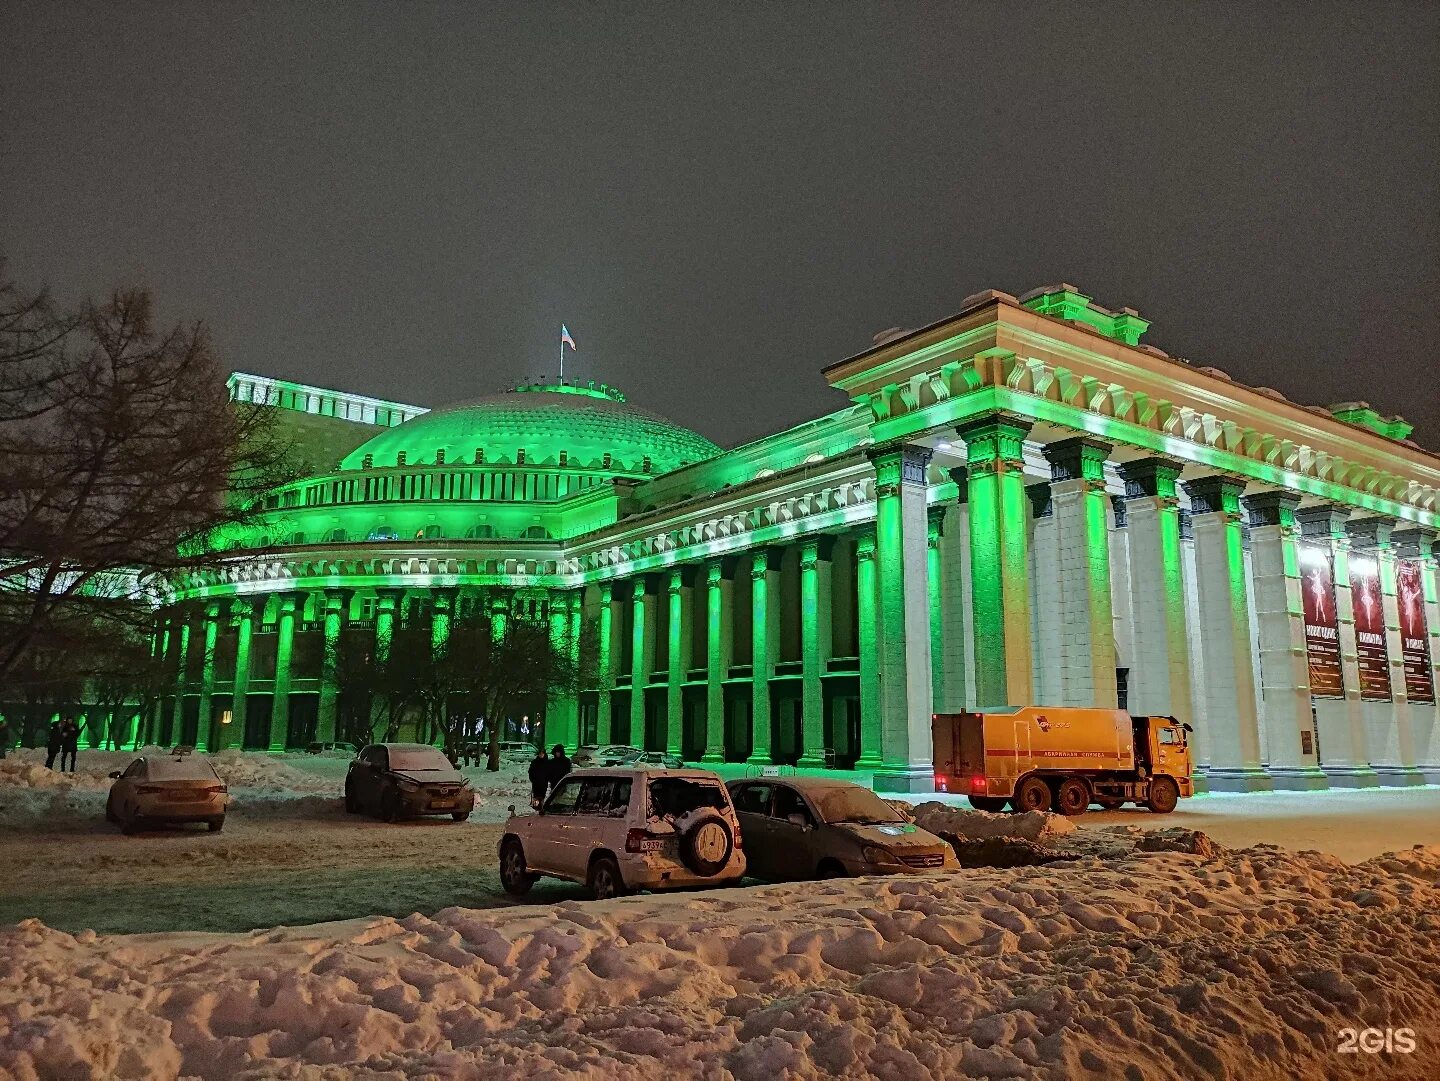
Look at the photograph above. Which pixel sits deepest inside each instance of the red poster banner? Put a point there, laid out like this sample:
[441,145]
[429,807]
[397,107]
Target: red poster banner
[1322,629]
[1370,648]
[1414,634]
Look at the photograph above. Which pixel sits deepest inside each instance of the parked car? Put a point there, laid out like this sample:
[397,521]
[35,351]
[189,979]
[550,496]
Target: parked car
[621,829]
[510,750]
[159,789]
[322,748]
[664,759]
[401,780]
[818,827]
[604,754]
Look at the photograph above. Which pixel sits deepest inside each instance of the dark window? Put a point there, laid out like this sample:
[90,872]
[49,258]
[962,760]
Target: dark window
[605,796]
[789,802]
[564,799]
[753,799]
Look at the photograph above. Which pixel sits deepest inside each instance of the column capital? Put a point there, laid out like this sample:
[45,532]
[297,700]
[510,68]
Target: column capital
[1414,542]
[1117,507]
[720,570]
[388,598]
[1154,477]
[607,591]
[816,549]
[1370,534]
[935,523]
[994,439]
[865,543]
[1271,508]
[290,601]
[443,599]
[242,608]
[897,464]
[1080,457]
[1041,505]
[1214,494]
[961,476]
[1324,520]
[764,560]
[212,611]
[680,577]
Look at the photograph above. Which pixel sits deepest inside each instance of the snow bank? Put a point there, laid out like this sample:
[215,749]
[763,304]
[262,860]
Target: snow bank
[969,825]
[1168,964]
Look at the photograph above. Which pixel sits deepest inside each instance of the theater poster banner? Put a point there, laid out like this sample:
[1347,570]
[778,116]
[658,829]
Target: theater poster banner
[1414,634]
[1369,629]
[1322,628]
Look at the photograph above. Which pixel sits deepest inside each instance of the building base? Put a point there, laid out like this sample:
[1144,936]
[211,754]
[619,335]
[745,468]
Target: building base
[1400,776]
[1238,780]
[1431,774]
[903,779]
[1199,783]
[711,758]
[810,762]
[1352,777]
[1299,780]
[760,758]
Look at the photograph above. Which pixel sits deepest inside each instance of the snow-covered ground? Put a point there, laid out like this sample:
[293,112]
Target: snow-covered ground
[1154,964]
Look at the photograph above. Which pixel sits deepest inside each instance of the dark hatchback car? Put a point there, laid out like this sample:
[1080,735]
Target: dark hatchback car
[404,780]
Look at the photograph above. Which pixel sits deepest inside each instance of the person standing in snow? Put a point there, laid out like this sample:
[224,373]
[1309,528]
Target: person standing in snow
[539,777]
[559,765]
[53,743]
[69,743]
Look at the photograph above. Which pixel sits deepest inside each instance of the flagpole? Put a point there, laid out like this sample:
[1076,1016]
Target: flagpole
[562,356]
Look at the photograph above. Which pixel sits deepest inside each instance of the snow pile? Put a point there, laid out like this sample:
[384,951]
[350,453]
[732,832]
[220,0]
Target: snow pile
[1167,964]
[968,825]
[266,773]
[27,772]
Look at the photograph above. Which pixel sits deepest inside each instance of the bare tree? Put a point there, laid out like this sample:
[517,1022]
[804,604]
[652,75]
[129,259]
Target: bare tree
[122,461]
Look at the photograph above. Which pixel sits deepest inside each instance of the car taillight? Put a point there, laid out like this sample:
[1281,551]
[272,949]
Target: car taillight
[148,789]
[635,840]
[941,784]
[978,783]
[212,789]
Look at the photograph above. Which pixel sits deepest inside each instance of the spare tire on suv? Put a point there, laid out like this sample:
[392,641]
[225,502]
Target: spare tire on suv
[706,844]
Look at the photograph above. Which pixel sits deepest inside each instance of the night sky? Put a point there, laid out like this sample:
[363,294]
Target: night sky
[719,200]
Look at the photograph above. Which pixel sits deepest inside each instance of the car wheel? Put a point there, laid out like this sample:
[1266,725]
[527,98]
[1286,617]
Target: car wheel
[459,816]
[993,804]
[706,846]
[352,802]
[605,881]
[216,825]
[514,878]
[1072,797]
[1031,794]
[390,808]
[1164,795]
[831,869]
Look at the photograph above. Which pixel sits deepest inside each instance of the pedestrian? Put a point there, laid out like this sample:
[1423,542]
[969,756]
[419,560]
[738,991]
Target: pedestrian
[69,743]
[53,742]
[559,765]
[539,778]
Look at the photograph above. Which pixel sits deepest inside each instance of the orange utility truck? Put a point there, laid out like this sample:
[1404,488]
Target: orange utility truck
[1039,758]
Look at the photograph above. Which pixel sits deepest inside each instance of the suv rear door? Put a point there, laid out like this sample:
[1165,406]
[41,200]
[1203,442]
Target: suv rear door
[599,821]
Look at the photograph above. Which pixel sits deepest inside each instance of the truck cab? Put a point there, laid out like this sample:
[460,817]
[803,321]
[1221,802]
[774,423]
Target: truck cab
[1162,746]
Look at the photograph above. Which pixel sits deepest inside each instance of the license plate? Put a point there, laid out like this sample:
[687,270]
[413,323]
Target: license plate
[443,804]
[182,797]
[656,845]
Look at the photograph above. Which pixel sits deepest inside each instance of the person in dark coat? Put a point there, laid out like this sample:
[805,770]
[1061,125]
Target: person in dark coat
[54,740]
[539,777]
[559,765]
[69,744]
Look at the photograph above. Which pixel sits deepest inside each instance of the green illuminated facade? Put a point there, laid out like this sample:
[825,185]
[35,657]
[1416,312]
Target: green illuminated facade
[1021,502]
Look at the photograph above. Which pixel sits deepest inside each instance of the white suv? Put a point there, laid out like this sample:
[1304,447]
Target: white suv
[622,829]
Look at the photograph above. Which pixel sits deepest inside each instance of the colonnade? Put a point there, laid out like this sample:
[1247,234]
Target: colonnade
[1109,582]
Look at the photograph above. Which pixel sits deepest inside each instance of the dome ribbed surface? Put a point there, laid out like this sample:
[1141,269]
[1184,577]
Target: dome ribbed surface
[542,423]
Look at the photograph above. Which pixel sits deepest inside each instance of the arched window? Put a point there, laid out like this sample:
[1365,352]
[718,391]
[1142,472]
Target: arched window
[480,532]
[296,538]
[382,533]
[335,536]
[430,532]
[536,532]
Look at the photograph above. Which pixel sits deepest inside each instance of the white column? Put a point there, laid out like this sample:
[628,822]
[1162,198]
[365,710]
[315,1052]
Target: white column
[1044,572]
[1121,591]
[1339,722]
[1224,629]
[867,622]
[901,550]
[815,646]
[1087,622]
[720,645]
[642,653]
[1290,748]
[948,654]
[1160,661]
[1389,736]
[1418,544]
[1200,741]
[680,597]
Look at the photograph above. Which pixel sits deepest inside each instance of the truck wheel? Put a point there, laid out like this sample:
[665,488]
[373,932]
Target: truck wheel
[1164,795]
[1031,794]
[992,804]
[1072,797]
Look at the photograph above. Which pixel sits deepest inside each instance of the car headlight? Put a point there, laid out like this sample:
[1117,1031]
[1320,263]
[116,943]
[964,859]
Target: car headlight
[409,786]
[876,854]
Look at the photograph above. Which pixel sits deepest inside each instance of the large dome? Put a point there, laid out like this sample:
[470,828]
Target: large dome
[536,424]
